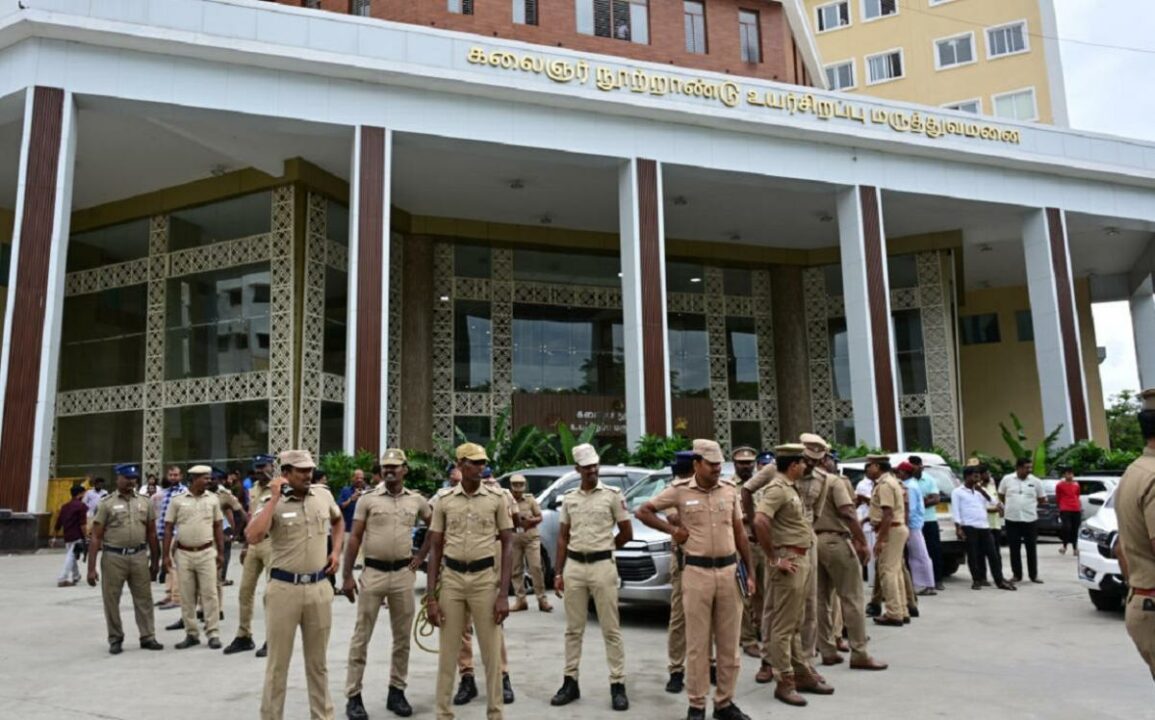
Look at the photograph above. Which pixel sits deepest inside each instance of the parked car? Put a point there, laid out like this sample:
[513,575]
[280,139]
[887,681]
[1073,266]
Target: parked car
[1049,520]
[1098,568]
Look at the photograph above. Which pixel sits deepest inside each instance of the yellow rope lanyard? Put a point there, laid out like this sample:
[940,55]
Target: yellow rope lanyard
[422,628]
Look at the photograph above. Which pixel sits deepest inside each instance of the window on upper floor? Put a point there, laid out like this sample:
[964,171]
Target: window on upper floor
[750,36]
[833,15]
[872,9]
[461,7]
[314,4]
[1018,105]
[694,14]
[1024,326]
[525,12]
[884,67]
[356,7]
[953,51]
[840,76]
[1010,39]
[979,329]
[619,19]
[972,106]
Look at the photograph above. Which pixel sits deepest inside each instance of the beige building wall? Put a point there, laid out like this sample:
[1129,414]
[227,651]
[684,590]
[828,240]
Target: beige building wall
[1002,378]
[915,28]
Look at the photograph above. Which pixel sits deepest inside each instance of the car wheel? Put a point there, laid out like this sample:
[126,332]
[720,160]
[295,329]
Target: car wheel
[1105,602]
[950,566]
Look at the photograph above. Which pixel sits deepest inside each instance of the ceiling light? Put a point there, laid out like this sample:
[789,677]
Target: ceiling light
[985,247]
[546,219]
[681,200]
[218,170]
[695,280]
[1111,231]
[735,237]
[825,217]
[516,184]
[444,298]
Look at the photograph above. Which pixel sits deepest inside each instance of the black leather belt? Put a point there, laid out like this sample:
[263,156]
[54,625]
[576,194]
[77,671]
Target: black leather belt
[711,562]
[832,532]
[469,567]
[297,578]
[591,557]
[124,551]
[386,565]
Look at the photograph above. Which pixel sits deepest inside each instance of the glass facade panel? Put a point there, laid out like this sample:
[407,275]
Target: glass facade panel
[737,281]
[218,322]
[102,338]
[332,427]
[226,220]
[336,329]
[916,433]
[475,427]
[684,277]
[689,355]
[566,268]
[909,352]
[1025,325]
[219,434]
[742,358]
[746,432]
[839,358]
[832,274]
[979,329]
[567,350]
[472,346]
[107,246]
[844,432]
[902,271]
[95,443]
[337,223]
[473,261]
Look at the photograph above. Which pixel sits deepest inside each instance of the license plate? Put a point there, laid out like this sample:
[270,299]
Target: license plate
[943,508]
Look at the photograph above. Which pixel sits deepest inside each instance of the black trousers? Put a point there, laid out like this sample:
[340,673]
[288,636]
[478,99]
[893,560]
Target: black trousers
[983,553]
[1018,535]
[930,534]
[1069,531]
[228,554]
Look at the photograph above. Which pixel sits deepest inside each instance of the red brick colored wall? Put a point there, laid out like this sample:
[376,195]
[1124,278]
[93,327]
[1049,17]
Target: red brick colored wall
[558,28]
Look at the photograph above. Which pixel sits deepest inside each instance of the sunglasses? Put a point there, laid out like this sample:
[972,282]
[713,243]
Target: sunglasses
[478,463]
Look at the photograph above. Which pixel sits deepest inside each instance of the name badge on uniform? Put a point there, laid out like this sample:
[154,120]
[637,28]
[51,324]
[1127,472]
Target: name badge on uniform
[289,514]
[117,507]
[692,502]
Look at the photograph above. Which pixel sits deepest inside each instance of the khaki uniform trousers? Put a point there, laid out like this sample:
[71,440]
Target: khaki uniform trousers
[397,588]
[172,579]
[810,611]
[198,577]
[115,572]
[256,565]
[907,584]
[788,592]
[890,574]
[527,548]
[839,587]
[463,595]
[598,580]
[752,604]
[712,604]
[676,635]
[1141,628]
[287,607]
[465,654]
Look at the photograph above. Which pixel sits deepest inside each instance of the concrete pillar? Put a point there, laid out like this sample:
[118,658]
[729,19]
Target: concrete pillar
[866,291]
[1058,354]
[367,364]
[791,360]
[1143,327]
[36,288]
[643,253]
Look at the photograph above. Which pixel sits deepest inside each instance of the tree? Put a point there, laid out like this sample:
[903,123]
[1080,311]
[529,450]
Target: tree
[1123,422]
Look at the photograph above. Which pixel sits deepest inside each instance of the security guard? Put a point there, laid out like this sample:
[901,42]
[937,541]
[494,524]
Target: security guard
[384,521]
[888,516]
[586,568]
[1135,506]
[682,470]
[527,547]
[197,517]
[786,537]
[812,489]
[254,559]
[465,521]
[750,490]
[124,526]
[711,534]
[298,519]
[743,459]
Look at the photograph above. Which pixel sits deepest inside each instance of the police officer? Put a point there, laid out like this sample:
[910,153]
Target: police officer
[527,547]
[254,559]
[197,516]
[750,490]
[298,519]
[1135,506]
[384,520]
[234,514]
[786,538]
[465,522]
[888,516]
[744,459]
[124,526]
[711,534]
[586,568]
[812,489]
[682,470]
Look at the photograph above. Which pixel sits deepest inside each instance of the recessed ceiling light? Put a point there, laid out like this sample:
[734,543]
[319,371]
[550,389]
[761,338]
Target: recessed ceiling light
[825,217]
[546,219]
[735,236]
[516,184]
[681,200]
[985,247]
[1111,231]
[444,298]
[695,280]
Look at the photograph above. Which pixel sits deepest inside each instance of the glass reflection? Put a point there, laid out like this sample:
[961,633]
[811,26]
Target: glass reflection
[219,434]
[839,358]
[567,350]
[102,338]
[689,355]
[742,358]
[472,346]
[218,322]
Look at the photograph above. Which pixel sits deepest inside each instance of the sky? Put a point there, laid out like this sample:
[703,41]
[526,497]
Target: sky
[1110,90]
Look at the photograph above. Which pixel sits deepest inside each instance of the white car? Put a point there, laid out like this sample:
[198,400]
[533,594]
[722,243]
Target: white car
[1098,568]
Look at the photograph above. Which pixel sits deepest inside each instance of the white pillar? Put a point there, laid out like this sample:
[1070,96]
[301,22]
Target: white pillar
[351,308]
[1143,327]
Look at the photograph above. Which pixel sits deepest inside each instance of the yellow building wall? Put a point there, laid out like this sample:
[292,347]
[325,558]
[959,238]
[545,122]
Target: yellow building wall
[916,27]
[1002,378]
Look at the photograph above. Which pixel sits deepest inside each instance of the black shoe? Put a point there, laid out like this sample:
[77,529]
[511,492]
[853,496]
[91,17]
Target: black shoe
[985,583]
[976,586]
[466,690]
[115,647]
[189,641]
[507,696]
[151,644]
[696,714]
[906,621]
[264,651]
[939,586]
[396,702]
[1036,581]
[873,610]
[240,644]
[676,682]
[730,712]
[178,625]
[713,675]
[355,709]
[567,693]
[214,643]
[618,699]
[913,611]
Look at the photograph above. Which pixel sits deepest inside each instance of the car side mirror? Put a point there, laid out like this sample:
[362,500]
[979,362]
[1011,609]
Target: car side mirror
[555,503]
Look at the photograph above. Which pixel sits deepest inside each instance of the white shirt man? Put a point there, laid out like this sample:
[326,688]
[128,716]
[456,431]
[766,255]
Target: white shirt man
[1021,496]
[1021,492]
[968,508]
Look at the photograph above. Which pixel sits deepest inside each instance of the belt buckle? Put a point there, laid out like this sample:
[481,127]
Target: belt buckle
[298,578]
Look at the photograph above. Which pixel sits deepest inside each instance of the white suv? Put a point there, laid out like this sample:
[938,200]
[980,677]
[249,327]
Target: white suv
[1098,568]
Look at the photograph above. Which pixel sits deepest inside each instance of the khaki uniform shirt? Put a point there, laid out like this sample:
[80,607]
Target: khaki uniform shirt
[389,521]
[300,531]
[592,516]
[529,509]
[470,522]
[781,502]
[193,517]
[838,494]
[887,494]
[761,479]
[228,500]
[812,490]
[1135,509]
[708,515]
[124,519]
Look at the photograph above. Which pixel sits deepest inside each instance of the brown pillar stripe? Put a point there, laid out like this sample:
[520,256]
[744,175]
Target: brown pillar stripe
[879,318]
[370,236]
[653,300]
[31,291]
[1068,323]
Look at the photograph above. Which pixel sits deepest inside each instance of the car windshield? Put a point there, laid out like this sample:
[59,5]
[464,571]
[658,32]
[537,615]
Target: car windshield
[944,478]
[647,489]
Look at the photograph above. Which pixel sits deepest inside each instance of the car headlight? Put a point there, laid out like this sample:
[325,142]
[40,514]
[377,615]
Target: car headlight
[664,546]
[1086,532]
